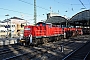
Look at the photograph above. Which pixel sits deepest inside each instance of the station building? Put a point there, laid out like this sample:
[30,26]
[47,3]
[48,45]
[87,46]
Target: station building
[56,19]
[81,19]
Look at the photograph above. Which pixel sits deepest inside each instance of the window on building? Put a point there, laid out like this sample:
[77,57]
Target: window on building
[2,31]
[2,25]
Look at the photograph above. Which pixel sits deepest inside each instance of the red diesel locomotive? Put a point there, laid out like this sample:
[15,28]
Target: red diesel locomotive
[46,32]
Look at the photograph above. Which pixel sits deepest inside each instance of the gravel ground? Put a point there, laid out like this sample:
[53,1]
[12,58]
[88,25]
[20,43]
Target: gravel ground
[53,51]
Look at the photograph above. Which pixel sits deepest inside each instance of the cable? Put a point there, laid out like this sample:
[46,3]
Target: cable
[79,4]
[60,3]
[82,3]
[33,5]
[15,11]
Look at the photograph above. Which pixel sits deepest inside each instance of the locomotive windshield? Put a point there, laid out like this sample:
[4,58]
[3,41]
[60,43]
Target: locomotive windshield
[41,24]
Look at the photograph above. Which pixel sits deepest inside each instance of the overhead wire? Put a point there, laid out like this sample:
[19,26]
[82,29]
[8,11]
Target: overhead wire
[82,4]
[59,3]
[24,12]
[33,5]
[15,11]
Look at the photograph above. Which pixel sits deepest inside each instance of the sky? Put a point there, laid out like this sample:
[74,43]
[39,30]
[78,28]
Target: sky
[25,8]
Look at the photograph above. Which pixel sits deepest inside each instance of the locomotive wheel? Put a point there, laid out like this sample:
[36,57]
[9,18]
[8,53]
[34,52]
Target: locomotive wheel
[45,40]
[36,42]
[62,37]
[57,38]
[23,43]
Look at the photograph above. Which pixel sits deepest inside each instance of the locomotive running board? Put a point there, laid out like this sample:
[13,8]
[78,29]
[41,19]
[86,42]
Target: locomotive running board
[41,36]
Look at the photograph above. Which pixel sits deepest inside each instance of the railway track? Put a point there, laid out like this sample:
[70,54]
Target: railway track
[87,57]
[79,54]
[10,50]
[49,51]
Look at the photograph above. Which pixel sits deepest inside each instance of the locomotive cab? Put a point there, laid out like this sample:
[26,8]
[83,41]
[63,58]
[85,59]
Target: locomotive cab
[41,24]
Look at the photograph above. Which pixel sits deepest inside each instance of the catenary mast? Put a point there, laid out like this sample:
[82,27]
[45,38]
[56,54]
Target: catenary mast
[35,12]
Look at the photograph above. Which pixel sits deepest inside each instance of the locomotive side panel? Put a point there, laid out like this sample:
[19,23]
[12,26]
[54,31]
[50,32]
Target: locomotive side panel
[48,30]
[36,31]
[43,30]
[39,31]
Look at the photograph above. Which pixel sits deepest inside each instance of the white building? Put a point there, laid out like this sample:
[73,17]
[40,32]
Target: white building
[15,26]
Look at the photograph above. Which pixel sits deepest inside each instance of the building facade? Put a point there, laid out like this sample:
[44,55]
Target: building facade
[12,27]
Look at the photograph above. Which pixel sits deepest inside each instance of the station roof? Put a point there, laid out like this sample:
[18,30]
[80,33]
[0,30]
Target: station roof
[56,19]
[84,15]
[81,19]
[16,18]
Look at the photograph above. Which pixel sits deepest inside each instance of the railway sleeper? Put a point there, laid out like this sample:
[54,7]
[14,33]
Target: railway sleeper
[15,56]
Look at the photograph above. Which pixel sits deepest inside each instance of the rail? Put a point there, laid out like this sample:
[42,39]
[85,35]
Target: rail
[87,55]
[69,55]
